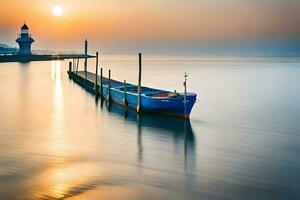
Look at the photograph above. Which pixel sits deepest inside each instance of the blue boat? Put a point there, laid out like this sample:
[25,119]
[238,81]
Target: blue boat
[153,100]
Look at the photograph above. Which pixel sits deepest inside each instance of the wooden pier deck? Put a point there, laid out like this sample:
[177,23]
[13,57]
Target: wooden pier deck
[88,82]
[92,78]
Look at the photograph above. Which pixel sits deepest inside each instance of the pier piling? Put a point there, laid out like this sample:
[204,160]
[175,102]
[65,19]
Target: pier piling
[85,60]
[77,65]
[96,77]
[138,109]
[125,99]
[108,92]
[70,67]
[101,82]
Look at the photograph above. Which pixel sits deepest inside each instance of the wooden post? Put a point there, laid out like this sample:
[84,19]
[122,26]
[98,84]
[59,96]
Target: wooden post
[101,82]
[96,76]
[77,65]
[108,92]
[85,59]
[73,62]
[138,109]
[125,99]
[70,67]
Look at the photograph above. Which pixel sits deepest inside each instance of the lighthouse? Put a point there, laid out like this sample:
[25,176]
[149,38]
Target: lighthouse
[24,40]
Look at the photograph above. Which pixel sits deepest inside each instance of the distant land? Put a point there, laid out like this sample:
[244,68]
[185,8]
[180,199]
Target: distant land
[207,50]
[5,49]
[4,46]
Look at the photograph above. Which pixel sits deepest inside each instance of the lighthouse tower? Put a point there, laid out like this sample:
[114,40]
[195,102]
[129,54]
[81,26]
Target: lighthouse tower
[24,40]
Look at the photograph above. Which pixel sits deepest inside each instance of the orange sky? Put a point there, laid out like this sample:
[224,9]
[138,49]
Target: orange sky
[119,24]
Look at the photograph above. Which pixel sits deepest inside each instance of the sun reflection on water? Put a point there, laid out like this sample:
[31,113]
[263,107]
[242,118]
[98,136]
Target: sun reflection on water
[69,181]
[58,145]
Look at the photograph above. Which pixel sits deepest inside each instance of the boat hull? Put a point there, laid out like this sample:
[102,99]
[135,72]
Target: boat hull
[166,106]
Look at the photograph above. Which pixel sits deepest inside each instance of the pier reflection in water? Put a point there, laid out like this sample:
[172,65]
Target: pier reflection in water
[179,130]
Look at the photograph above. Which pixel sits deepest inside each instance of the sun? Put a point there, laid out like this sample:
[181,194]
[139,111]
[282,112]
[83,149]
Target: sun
[57,11]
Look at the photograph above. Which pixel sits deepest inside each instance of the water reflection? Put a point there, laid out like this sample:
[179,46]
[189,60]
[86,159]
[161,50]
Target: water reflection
[58,145]
[57,176]
[180,130]
[56,77]
[139,134]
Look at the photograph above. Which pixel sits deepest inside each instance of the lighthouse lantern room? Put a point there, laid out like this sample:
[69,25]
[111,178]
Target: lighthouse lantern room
[24,40]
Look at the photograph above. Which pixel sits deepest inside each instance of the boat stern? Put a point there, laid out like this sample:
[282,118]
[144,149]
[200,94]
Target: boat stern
[174,106]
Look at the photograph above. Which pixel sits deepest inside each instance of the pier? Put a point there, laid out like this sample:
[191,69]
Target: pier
[36,57]
[107,86]
[137,97]
[89,83]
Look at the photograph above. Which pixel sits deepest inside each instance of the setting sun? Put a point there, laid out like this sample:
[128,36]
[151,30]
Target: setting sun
[57,11]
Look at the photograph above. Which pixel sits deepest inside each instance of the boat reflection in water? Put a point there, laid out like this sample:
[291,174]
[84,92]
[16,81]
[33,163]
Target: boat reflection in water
[178,129]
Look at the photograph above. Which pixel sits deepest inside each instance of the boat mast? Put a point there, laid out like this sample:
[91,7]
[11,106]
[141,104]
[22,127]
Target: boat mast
[184,98]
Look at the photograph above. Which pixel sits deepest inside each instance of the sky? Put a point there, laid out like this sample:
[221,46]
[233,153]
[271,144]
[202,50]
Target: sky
[157,26]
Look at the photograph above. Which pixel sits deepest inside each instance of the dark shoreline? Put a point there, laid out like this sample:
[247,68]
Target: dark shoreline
[34,57]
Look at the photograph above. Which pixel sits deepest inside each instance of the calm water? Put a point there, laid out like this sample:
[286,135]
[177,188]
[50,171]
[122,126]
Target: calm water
[242,142]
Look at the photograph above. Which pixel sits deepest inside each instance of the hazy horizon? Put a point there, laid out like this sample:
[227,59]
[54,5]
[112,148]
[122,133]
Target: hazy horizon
[192,27]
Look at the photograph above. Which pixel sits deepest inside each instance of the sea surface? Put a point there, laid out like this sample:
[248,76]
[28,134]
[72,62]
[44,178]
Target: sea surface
[242,141]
